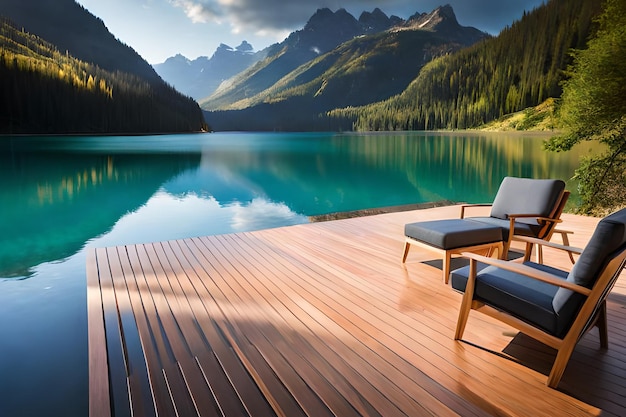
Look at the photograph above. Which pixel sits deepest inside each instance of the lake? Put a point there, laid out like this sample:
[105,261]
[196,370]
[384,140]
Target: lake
[61,195]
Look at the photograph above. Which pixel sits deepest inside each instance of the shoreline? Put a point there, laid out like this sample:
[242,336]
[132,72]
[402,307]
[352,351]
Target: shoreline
[380,210]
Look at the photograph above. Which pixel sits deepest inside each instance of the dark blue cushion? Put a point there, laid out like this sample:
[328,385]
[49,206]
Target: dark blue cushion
[609,236]
[526,196]
[525,298]
[607,240]
[453,233]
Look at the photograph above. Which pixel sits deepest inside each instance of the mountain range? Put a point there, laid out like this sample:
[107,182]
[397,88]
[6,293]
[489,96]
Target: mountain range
[200,77]
[387,73]
[335,60]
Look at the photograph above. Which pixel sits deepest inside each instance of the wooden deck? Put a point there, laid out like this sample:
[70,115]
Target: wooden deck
[323,320]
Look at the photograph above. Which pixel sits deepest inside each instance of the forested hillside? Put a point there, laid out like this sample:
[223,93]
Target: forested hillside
[70,27]
[62,71]
[522,67]
[45,91]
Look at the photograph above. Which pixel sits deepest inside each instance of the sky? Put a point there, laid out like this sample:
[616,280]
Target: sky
[159,29]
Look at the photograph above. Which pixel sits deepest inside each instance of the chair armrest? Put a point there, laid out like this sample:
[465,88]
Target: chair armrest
[542,242]
[464,206]
[513,217]
[534,216]
[529,272]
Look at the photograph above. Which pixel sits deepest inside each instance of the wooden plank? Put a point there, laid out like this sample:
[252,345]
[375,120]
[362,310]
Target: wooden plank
[99,395]
[118,366]
[139,389]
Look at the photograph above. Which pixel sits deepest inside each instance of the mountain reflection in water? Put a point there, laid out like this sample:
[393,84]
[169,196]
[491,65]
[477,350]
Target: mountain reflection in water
[59,193]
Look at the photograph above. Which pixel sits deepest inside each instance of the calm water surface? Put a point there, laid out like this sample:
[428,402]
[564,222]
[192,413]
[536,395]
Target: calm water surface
[61,195]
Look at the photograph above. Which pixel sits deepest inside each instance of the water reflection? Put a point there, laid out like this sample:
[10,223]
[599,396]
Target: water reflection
[58,193]
[53,203]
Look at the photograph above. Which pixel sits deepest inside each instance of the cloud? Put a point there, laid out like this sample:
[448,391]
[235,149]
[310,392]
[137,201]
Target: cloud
[274,16]
[198,11]
[269,15]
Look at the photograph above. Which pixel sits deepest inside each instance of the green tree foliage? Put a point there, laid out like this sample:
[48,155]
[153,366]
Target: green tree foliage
[522,67]
[593,108]
[45,91]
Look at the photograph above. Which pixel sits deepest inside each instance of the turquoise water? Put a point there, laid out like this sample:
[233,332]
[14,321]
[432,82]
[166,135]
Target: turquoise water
[60,195]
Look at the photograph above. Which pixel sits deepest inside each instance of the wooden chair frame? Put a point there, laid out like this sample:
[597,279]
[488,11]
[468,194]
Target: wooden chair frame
[592,313]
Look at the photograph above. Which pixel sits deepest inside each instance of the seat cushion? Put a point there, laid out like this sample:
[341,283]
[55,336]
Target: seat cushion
[526,196]
[524,227]
[525,298]
[453,233]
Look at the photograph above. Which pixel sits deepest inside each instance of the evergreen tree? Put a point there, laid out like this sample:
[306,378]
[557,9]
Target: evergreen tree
[593,108]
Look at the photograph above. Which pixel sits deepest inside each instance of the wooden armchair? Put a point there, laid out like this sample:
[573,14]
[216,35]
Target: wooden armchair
[526,207]
[552,306]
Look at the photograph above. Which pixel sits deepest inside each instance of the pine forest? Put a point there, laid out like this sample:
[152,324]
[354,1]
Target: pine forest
[43,90]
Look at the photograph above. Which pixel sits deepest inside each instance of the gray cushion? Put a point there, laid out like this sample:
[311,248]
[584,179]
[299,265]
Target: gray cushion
[525,227]
[608,238]
[453,233]
[526,196]
[526,298]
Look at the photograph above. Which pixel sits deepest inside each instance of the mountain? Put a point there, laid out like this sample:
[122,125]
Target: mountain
[358,68]
[521,68]
[62,71]
[323,32]
[377,21]
[201,77]
[443,21]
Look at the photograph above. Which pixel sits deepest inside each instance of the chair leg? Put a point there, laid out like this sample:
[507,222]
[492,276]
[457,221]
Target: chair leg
[528,251]
[407,246]
[603,327]
[562,357]
[447,259]
[466,303]
[505,250]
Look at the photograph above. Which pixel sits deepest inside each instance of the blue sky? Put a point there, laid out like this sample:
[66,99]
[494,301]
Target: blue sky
[158,29]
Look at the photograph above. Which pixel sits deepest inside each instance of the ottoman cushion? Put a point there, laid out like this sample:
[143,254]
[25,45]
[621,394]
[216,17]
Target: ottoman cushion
[453,233]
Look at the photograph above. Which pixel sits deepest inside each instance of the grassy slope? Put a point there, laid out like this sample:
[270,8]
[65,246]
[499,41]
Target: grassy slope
[539,118]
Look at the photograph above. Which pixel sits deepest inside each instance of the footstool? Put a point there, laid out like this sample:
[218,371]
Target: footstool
[453,236]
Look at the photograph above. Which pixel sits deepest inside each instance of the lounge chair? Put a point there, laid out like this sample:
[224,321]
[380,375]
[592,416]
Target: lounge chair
[522,206]
[550,305]
[526,207]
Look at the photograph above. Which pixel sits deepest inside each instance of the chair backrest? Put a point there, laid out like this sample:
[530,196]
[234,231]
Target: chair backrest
[608,238]
[607,243]
[548,227]
[540,197]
